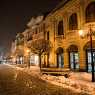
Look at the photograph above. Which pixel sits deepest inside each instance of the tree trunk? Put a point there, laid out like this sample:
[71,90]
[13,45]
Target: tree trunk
[40,61]
[28,62]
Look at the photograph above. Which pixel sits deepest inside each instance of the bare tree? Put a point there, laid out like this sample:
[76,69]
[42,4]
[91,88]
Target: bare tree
[39,47]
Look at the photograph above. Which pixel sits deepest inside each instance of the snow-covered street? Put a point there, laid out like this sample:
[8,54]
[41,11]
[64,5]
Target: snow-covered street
[78,82]
[23,81]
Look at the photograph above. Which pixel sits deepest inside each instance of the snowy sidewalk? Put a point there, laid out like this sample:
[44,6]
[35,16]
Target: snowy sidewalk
[77,81]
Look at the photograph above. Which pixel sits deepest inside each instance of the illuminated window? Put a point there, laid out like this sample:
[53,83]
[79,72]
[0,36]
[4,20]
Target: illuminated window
[60,59]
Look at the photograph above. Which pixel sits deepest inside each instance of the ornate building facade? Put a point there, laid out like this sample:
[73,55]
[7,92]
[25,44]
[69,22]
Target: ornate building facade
[64,22]
[61,28]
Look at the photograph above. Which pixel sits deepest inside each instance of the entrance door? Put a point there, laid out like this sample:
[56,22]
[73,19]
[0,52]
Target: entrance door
[60,61]
[89,65]
[74,60]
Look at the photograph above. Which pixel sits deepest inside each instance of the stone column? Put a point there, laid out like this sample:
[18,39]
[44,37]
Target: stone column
[66,59]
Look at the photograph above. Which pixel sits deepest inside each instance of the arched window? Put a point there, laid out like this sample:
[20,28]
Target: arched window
[73,24]
[73,57]
[60,28]
[60,57]
[90,12]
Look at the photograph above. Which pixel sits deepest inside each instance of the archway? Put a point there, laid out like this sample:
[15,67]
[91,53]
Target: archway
[60,59]
[88,55]
[73,57]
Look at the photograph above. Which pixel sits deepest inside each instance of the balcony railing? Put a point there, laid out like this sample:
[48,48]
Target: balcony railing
[29,39]
[20,42]
[59,36]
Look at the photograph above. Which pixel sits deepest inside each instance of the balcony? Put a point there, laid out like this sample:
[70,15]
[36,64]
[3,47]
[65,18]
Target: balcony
[38,36]
[29,39]
[72,34]
[20,42]
[59,37]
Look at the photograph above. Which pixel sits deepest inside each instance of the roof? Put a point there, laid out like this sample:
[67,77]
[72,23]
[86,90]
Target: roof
[60,5]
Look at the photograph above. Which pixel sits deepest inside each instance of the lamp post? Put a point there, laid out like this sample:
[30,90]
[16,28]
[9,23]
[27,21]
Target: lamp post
[28,56]
[89,34]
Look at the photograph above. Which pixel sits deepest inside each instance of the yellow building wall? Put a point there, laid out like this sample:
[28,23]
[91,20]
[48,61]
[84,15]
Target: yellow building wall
[70,37]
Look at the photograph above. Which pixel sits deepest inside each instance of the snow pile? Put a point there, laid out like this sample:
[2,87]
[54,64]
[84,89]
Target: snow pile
[80,76]
[77,82]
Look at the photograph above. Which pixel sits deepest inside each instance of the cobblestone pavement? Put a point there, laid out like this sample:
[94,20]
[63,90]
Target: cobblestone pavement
[18,82]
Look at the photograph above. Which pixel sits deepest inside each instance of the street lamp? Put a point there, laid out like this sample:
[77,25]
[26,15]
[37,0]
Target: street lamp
[28,56]
[89,34]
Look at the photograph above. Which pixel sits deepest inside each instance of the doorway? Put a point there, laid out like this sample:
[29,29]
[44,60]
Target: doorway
[89,63]
[73,57]
[60,58]
[74,60]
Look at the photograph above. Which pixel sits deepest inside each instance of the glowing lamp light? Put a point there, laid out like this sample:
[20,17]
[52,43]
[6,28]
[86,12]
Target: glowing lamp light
[27,50]
[81,32]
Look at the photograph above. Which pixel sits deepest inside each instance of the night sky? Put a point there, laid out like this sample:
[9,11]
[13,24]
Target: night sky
[15,14]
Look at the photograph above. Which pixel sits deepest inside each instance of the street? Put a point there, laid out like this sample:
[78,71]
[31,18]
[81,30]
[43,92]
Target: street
[17,82]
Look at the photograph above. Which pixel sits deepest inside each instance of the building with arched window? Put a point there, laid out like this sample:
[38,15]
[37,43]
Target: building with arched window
[61,27]
[64,22]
